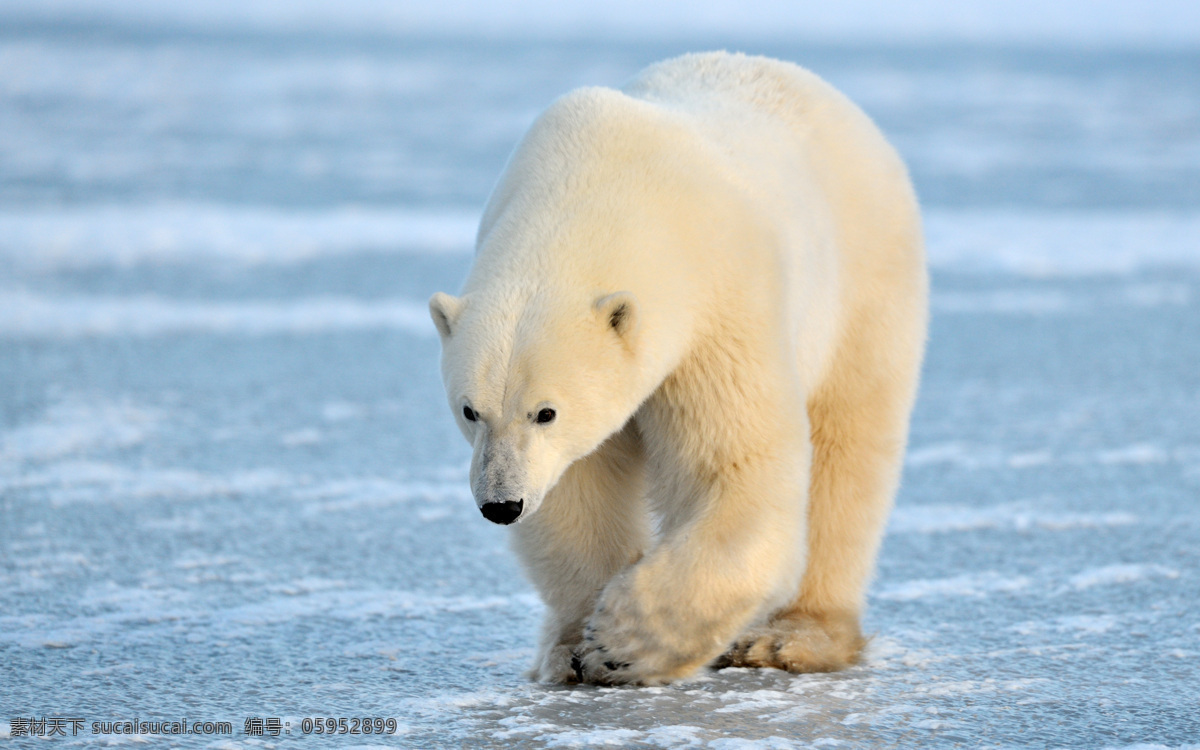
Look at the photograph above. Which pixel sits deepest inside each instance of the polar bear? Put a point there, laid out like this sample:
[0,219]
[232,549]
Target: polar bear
[686,355]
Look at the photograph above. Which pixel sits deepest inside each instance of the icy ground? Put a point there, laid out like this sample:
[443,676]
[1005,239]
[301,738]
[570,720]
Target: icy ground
[230,486]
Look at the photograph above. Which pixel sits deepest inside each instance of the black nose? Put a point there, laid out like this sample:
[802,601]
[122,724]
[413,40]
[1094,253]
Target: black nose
[502,513]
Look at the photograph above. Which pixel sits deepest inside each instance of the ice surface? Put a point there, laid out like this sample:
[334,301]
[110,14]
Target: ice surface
[230,486]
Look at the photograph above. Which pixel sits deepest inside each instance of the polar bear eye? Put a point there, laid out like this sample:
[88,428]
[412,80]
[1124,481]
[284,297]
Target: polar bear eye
[545,416]
[469,414]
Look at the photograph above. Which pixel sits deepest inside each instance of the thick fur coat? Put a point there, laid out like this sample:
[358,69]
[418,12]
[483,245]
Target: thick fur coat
[686,355]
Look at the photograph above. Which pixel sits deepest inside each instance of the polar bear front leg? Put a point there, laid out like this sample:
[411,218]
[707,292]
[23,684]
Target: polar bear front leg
[590,526]
[728,475]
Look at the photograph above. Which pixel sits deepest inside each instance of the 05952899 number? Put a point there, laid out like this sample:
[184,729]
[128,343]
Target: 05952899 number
[326,725]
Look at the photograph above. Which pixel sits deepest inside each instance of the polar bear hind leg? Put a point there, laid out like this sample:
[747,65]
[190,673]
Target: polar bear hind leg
[859,419]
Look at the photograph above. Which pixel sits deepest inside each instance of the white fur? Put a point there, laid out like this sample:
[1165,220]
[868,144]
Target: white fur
[715,277]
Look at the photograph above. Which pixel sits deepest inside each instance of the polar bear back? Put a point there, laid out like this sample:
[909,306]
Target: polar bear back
[740,101]
[838,193]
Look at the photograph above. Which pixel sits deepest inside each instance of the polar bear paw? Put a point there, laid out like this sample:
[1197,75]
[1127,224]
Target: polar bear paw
[621,648]
[799,643]
[555,665]
[615,651]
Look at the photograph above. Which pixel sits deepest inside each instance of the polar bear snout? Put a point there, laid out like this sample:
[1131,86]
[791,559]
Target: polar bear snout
[502,513]
[499,482]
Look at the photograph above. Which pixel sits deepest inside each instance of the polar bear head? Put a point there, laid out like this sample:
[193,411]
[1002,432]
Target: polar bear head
[536,380]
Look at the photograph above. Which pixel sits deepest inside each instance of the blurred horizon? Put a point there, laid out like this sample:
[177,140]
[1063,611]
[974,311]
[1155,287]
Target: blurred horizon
[1074,23]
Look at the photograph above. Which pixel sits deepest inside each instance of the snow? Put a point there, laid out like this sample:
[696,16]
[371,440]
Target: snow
[1111,574]
[25,314]
[1063,243]
[976,584]
[1019,516]
[230,486]
[57,239]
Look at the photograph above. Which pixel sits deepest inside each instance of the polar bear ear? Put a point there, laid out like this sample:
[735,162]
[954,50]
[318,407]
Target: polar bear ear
[444,310]
[620,313]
